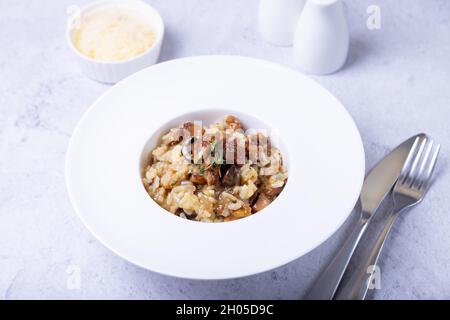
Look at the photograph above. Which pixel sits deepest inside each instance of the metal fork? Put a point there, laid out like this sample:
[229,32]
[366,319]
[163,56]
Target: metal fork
[410,189]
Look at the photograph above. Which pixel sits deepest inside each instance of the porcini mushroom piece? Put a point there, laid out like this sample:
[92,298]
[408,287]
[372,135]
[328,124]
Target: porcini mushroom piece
[198,179]
[231,177]
[233,123]
[212,176]
[273,192]
[262,202]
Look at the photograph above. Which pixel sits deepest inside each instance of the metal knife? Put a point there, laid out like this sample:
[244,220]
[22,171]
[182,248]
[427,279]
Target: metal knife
[377,185]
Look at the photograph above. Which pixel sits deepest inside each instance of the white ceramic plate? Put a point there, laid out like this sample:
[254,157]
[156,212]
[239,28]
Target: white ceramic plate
[320,142]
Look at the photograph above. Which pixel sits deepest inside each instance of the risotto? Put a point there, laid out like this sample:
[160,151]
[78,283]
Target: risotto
[215,173]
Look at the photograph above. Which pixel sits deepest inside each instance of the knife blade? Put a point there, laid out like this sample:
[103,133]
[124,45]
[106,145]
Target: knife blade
[377,185]
[383,176]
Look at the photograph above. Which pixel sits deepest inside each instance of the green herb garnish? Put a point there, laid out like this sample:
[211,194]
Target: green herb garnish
[213,145]
[218,154]
[218,158]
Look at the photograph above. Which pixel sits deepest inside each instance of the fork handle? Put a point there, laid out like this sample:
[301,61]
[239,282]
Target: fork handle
[355,288]
[325,286]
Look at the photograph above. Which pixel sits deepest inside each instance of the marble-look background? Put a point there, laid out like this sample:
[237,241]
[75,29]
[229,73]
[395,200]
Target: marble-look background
[395,84]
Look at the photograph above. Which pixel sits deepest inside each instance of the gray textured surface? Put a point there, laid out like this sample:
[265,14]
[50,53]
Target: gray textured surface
[396,83]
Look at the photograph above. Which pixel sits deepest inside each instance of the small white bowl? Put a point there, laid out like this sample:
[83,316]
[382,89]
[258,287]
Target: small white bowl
[114,71]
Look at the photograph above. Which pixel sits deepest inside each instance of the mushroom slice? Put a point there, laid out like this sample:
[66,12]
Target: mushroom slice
[231,177]
[273,192]
[198,179]
[262,202]
[212,176]
[233,123]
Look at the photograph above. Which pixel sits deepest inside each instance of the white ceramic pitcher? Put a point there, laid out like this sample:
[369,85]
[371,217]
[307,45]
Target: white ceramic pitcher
[277,20]
[321,38]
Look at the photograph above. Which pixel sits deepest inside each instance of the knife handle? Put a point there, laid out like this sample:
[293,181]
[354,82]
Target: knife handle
[325,286]
[356,287]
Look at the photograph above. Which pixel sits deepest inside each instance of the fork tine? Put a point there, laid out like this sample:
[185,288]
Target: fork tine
[409,159]
[430,168]
[412,175]
[419,177]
